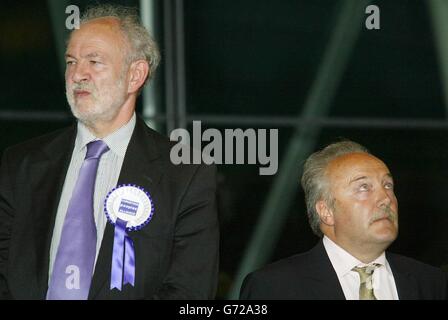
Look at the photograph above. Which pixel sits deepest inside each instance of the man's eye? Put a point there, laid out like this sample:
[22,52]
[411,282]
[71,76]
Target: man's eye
[364,187]
[69,63]
[94,62]
[389,185]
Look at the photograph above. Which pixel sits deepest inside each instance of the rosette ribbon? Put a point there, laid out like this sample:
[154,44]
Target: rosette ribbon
[123,258]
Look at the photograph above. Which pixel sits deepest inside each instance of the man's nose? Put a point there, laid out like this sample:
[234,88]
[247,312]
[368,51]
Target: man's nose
[80,72]
[385,197]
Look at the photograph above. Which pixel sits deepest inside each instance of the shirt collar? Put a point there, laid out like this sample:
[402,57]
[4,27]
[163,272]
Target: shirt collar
[117,141]
[342,261]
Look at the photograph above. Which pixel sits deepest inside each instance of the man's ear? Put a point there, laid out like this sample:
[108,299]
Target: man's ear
[138,72]
[325,213]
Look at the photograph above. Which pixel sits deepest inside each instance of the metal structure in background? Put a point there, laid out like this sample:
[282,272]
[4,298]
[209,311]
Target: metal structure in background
[439,18]
[236,120]
[57,13]
[151,94]
[174,66]
[322,91]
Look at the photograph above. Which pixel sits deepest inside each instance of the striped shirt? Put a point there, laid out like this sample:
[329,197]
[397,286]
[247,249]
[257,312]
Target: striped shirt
[107,177]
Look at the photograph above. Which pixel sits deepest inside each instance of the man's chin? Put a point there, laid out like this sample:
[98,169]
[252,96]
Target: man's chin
[84,105]
[84,116]
[90,118]
[386,235]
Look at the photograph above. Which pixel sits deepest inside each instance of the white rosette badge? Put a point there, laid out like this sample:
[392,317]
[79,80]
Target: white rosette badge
[129,208]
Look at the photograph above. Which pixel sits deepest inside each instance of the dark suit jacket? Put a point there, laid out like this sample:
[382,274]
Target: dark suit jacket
[310,276]
[176,253]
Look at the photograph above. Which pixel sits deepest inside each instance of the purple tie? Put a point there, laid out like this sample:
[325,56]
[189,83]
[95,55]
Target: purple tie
[75,258]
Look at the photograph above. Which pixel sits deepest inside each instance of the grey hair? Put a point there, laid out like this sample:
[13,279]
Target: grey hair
[142,44]
[314,180]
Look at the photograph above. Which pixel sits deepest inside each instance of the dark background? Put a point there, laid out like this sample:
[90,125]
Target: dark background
[259,58]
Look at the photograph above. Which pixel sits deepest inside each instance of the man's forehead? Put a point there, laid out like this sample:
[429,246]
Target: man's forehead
[353,163]
[107,29]
[111,23]
[88,54]
[98,35]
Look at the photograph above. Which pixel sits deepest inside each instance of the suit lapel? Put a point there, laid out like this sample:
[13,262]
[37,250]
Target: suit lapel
[325,284]
[323,280]
[48,176]
[140,167]
[407,286]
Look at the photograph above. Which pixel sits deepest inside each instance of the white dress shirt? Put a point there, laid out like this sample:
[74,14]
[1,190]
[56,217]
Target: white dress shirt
[107,177]
[343,262]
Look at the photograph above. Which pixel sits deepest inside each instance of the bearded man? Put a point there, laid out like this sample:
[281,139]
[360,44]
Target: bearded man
[98,210]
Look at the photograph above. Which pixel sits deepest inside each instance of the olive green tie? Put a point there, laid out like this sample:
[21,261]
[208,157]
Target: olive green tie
[365,286]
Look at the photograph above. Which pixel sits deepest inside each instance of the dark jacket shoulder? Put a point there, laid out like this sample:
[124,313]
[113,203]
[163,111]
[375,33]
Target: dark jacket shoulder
[35,145]
[407,263]
[307,275]
[426,281]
